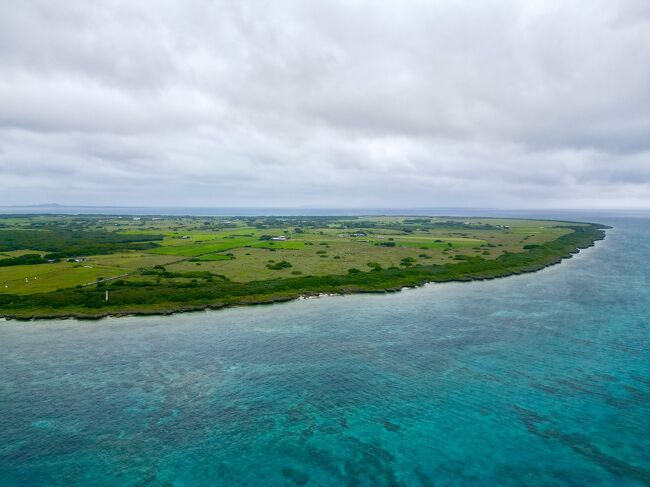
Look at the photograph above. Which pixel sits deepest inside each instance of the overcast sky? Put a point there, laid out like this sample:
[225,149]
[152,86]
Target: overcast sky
[347,103]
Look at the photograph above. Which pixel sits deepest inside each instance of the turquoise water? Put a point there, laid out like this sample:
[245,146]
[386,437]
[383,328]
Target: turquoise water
[542,379]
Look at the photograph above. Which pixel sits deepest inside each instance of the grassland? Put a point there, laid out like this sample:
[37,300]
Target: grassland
[167,264]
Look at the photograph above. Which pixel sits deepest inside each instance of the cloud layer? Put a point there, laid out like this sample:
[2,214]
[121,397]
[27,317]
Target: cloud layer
[339,103]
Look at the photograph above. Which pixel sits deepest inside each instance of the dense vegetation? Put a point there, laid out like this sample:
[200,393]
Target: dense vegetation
[64,242]
[159,290]
[27,259]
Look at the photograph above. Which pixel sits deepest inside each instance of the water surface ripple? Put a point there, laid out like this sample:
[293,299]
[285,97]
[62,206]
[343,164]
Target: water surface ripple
[540,379]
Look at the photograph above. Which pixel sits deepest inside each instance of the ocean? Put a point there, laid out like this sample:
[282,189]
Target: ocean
[539,379]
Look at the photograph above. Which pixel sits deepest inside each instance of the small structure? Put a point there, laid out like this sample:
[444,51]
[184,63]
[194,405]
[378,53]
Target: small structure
[279,238]
[358,234]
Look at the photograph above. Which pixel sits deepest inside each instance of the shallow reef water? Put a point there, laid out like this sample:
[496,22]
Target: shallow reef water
[538,379]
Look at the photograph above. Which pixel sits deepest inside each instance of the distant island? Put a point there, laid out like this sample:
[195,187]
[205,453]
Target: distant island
[55,266]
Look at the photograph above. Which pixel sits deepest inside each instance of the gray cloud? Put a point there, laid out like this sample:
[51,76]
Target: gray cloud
[338,103]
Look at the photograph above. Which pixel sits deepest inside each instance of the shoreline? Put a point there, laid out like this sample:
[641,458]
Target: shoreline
[261,301]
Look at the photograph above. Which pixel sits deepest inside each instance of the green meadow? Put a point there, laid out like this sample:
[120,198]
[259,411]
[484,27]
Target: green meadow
[202,247]
[193,262]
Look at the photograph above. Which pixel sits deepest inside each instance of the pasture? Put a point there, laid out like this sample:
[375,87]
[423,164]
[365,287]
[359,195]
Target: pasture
[314,246]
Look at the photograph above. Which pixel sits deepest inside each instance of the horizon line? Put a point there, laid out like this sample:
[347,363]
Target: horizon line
[338,208]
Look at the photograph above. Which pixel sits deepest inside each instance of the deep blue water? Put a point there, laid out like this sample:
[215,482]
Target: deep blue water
[541,379]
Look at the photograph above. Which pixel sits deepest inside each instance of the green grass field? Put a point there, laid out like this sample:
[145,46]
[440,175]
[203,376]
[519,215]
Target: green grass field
[210,258]
[49,277]
[199,248]
[199,251]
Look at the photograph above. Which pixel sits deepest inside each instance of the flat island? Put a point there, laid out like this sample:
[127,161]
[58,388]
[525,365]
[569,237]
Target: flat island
[54,266]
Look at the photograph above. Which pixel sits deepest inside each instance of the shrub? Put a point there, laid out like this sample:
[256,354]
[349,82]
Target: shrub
[27,259]
[283,264]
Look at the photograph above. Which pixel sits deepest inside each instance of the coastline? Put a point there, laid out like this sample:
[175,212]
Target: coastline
[167,308]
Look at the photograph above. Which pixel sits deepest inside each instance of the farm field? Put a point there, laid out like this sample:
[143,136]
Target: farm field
[49,277]
[54,259]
